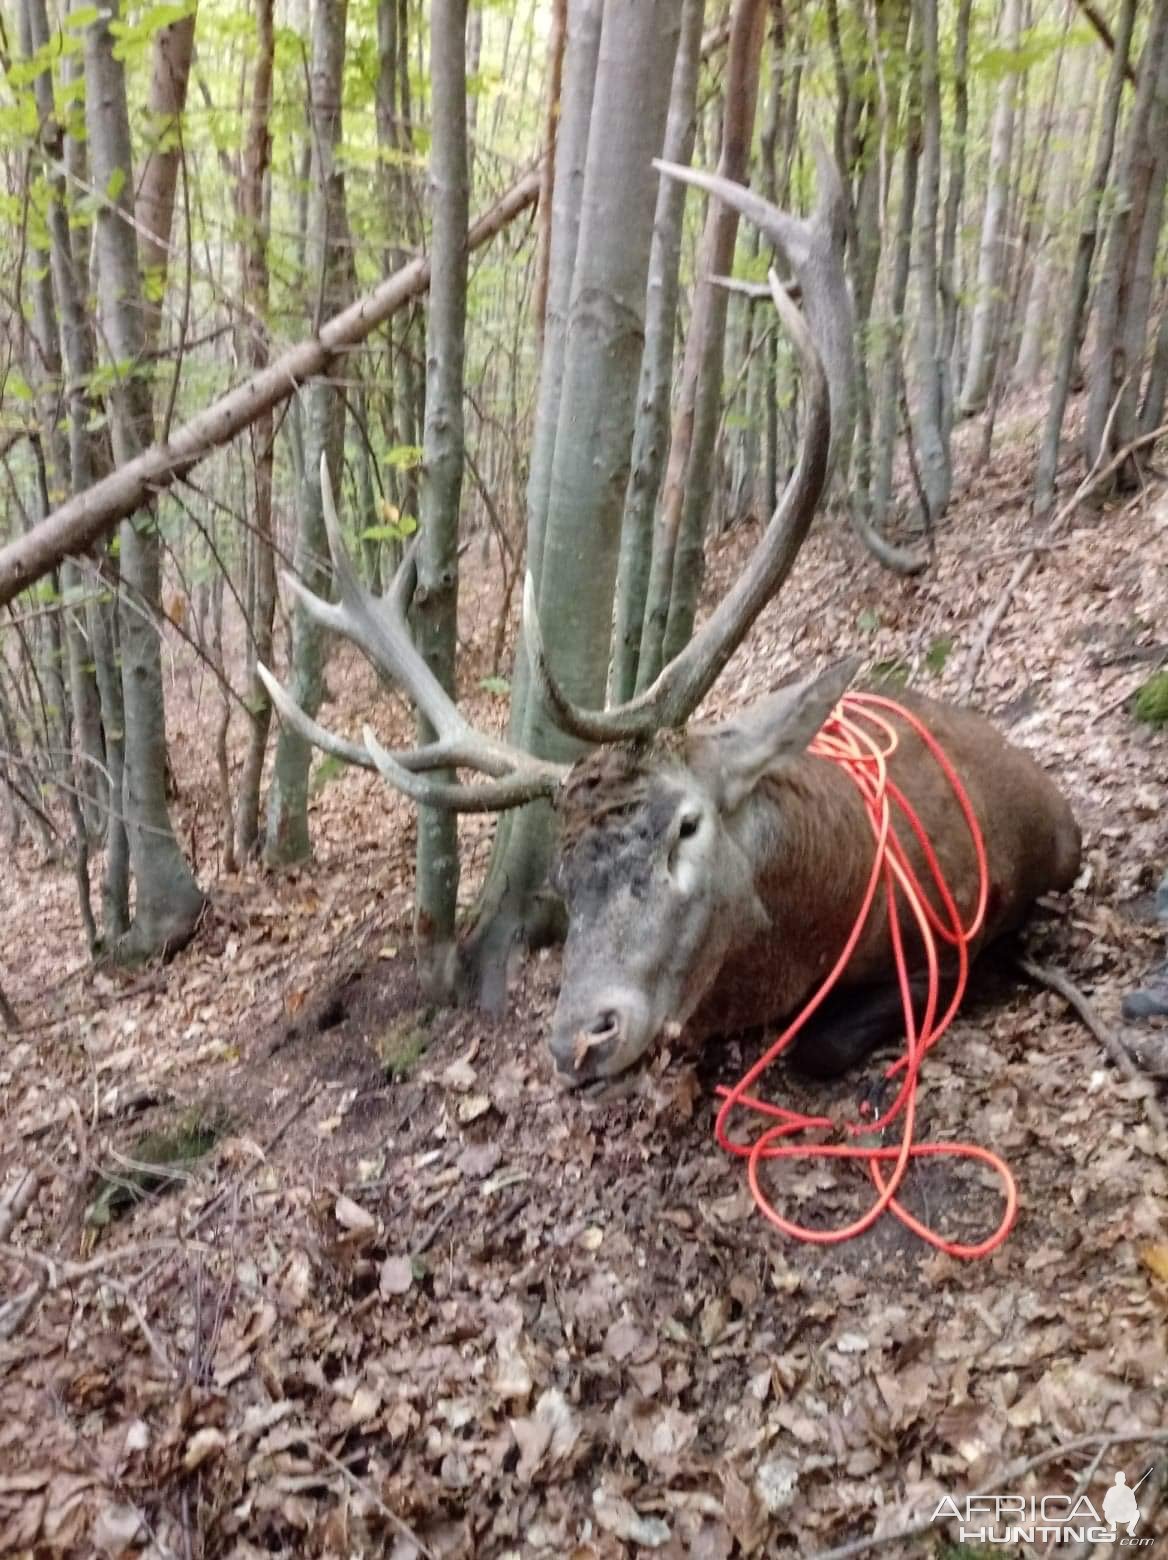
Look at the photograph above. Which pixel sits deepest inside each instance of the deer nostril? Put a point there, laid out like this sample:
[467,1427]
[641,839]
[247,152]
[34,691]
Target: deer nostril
[605,1025]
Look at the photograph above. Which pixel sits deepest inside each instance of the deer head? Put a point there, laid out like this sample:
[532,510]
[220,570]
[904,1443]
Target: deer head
[653,865]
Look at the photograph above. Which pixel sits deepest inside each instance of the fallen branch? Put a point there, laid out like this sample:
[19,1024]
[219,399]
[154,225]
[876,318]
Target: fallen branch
[17,1200]
[88,516]
[8,1015]
[1055,981]
[1001,1480]
[1090,484]
[397,1523]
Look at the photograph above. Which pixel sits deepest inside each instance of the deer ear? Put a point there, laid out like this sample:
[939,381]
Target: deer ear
[732,757]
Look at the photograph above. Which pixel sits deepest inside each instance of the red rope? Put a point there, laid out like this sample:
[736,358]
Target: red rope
[860,739]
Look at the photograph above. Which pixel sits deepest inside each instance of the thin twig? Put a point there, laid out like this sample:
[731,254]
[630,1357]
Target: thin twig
[1059,983]
[1090,484]
[363,1488]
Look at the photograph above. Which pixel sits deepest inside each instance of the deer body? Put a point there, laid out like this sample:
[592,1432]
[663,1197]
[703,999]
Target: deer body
[712,873]
[811,839]
[716,886]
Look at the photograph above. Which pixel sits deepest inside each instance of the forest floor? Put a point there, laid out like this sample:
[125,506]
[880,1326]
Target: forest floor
[415,1299]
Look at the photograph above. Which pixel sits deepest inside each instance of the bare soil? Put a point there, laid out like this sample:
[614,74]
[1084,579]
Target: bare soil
[418,1299]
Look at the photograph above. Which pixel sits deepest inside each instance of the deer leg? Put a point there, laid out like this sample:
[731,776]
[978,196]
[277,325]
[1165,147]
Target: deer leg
[855,1021]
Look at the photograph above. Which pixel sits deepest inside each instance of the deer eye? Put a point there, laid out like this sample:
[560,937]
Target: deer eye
[690,825]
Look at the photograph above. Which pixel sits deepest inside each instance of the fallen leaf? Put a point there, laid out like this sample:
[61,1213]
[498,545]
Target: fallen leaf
[351,1215]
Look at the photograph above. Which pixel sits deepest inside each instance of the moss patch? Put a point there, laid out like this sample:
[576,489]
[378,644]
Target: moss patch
[1151,701]
[404,1043]
[155,1162]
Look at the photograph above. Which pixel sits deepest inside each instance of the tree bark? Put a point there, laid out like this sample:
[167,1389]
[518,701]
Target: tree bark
[168,901]
[287,838]
[257,152]
[931,427]
[954,196]
[1072,330]
[435,614]
[1125,290]
[551,122]
[990,267]
[574,533]
[675,569]
[651,431]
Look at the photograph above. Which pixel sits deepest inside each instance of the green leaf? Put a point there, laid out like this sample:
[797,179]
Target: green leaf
[404,457]
[116,184]
[497,685]
[938,653]
[1151,700]
[893,671]
[868,621]
[327,770]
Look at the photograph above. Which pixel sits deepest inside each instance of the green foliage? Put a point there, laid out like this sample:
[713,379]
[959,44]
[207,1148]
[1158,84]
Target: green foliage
[868,620]
[133,39]
[1151,701]
[156,1162]
[403,1045]
[938,653]
[329,769]
[496,685]
[893,672]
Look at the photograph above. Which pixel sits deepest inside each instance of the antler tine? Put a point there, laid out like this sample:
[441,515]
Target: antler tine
[378,626]
[533,782]
[684,682]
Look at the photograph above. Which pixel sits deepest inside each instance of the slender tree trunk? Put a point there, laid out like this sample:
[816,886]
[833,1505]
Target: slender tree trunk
[168,901]
[254,215]
[888,402]
[1058,200]
[551,122]
[954,196]
[991,261]
[574,522]
[436,597]
[78,355]
[931,425]
[503,913]
[287,837]
[1152,412]
[651,432]
[1125,289]
[1072,330]
[675,570]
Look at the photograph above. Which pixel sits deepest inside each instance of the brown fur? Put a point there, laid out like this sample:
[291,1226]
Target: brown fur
[810,844]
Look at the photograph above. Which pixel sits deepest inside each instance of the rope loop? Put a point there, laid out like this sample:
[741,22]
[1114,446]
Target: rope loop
[861,739]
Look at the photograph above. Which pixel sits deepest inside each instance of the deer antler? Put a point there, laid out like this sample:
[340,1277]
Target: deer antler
[378,626]
[813,249]
[684,682]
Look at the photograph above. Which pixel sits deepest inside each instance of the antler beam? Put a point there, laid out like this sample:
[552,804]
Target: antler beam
[378,626]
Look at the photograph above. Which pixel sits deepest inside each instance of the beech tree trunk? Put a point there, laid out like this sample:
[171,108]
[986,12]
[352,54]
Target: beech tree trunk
[257,152]
[676,567]
[651,432]
[574,535]
[436,597]
[991,259]
[328,271]
[1073,322]
[1125,290]
[168,901]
